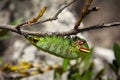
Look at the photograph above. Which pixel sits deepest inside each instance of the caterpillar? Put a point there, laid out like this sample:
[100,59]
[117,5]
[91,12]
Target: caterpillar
[65,47]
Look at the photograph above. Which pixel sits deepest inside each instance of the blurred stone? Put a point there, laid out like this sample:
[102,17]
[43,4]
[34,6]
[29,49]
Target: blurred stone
[18,49]
[45,76]
[104,54]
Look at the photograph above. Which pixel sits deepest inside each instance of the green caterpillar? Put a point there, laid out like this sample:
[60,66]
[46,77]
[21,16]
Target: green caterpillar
[65,47]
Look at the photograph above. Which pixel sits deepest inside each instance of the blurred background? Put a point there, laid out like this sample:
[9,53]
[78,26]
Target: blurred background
[14,47]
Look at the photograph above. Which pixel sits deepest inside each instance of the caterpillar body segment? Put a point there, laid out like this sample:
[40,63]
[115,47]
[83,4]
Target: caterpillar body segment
[65,47]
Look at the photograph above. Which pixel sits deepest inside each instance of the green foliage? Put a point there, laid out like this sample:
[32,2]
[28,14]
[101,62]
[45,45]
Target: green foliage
[84,68]
[115,66]
[79,70]
[65,64]
[65,47]
[116,49]
[87,59]
[99,74]
[83,73]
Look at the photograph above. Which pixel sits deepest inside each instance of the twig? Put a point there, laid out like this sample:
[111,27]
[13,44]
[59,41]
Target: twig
[92,10]
[71,32]
[33,20]
[55,17]
[59,11]
[83,13]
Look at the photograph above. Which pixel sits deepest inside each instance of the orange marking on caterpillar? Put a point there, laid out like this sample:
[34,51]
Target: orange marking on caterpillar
[86,50]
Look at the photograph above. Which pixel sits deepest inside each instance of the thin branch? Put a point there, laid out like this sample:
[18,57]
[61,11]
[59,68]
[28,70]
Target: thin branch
[67,33]
[60,10]
[34,19]
[91,10]
[83,13]
[55,17]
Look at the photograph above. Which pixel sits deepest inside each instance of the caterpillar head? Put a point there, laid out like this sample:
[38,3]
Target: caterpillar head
[83,46]
[33,39]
